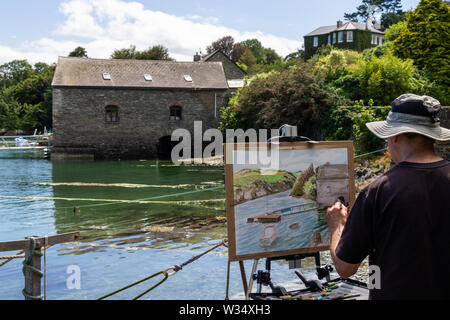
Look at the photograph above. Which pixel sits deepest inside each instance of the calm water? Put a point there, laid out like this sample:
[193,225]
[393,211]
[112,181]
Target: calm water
[180,215]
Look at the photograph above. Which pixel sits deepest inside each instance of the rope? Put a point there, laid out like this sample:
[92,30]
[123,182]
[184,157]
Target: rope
[166,274]
[366,154]
[7,259]
[27,265]
[144,199]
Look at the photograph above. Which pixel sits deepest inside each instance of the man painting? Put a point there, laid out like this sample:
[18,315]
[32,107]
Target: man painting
[402,219]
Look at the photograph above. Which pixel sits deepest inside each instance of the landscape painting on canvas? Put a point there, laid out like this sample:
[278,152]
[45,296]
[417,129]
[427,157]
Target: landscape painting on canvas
[280,209]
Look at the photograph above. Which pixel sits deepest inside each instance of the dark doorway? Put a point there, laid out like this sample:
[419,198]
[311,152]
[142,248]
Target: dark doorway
[164,147]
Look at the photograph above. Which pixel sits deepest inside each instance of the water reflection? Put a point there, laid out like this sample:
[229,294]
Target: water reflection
[176,200]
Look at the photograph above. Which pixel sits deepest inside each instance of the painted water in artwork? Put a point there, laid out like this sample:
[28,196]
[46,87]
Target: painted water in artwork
[283,208]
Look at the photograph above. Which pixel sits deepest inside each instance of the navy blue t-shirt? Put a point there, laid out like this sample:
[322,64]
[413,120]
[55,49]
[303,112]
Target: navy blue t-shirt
[402,221]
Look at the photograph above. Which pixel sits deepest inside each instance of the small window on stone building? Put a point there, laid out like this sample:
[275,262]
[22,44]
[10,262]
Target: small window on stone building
[175,113]
[106,76]
[111,114]
[148,77]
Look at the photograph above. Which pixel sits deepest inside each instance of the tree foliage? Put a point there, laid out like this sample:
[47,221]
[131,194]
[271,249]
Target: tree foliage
[157,52]
[293,95]
[426,39]
[256,48]
[79,52]
[391,11]
[25,96]
[225,44]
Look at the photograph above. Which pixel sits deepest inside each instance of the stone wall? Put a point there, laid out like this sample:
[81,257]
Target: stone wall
[80,129]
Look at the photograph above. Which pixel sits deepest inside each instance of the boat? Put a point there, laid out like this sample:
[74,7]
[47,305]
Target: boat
[270,235]
[275,216]
[22,142]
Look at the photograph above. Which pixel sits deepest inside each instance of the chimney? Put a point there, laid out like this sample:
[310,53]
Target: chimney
[339,24]
[197,57]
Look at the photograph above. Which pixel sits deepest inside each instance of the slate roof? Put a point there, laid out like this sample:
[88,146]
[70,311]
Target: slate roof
[346,26]
[218,51]
[84,72]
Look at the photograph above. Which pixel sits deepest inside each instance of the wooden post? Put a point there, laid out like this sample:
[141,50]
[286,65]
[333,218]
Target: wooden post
[32,279]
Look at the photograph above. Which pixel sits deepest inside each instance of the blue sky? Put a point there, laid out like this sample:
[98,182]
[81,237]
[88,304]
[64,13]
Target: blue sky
[43,30]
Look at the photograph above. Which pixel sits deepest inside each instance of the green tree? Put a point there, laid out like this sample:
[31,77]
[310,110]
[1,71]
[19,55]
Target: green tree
[391,11]
[394,31]
[79,52]
[272,56]
[297,55]
[225,44]
[247,58]
[238,50]
[13,72]
[426,39]
[256,48]
[385,78]
[158,52]
[126,53]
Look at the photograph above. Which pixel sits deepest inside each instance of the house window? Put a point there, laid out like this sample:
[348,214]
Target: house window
[374,39]
[349,36]
[334,37]
[316,41]
[111,114]
[341,36]
[175,113]
[329,39]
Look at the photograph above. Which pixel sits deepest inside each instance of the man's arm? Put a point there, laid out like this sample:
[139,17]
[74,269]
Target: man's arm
[336,218]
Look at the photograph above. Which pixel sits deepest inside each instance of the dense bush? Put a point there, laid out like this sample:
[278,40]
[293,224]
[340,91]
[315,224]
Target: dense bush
[348,123]
[426,39]
[294,96]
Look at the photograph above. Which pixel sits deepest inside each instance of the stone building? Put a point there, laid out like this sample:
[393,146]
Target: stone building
[234,74]
[351,35]
[127,108]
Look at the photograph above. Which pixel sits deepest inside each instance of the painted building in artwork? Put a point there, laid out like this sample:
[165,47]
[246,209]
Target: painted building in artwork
[105,108]
[332,182]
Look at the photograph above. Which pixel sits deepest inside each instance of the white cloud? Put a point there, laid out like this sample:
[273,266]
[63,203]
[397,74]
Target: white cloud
[106,25]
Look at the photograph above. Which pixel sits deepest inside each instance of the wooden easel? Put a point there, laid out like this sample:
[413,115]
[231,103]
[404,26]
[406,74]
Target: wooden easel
[32,278]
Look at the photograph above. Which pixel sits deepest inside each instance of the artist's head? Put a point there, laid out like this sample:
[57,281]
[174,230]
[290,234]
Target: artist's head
[412,125]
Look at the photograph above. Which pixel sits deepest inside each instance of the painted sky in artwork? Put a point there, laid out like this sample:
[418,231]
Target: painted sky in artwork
[290,160]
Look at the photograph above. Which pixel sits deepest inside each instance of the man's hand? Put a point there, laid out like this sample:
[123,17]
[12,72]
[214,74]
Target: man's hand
[336,216]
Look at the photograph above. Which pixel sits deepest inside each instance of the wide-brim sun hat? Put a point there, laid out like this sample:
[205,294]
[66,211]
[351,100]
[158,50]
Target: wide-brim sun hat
[411,113]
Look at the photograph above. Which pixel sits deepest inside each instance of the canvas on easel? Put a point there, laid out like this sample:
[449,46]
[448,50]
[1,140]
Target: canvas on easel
[277,207]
